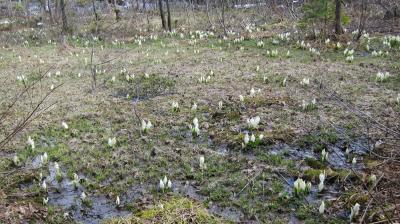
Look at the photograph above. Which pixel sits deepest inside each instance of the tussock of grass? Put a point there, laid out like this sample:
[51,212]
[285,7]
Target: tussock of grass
[174,210]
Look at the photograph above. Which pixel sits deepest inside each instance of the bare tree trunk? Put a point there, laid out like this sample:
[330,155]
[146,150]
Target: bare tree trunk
[168,17]
[223,16]
[63,17]
[49,9]
[208,13]
[144,5]
[361,25]
[162,14]
[338,22]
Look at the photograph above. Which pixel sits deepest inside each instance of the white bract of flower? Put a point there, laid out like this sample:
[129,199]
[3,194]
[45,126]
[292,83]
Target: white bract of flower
[45,200]
[284,81]
[117,201]
[321,181]
[146,126]
[324,155]
[372,179]
[83,196]
[260,137]
[175,106]
[112,141]
[16,160]
[354,211]
[322,208]
[354,161]
[202,164]
[252,138]
[44,158]
[382,77]
[64,125]
[44,185]
[299,186]
[220,105]
[246,139]
[194,107]
[305,82]
[398,98]
[195,128]
[253,122]
[241,98]
[31,143]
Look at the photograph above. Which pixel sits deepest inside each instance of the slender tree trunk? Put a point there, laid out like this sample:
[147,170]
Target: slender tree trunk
[361,25]
[63,17]
[162,14]
[338,22]
[144,5]
[49,9]
[168,17]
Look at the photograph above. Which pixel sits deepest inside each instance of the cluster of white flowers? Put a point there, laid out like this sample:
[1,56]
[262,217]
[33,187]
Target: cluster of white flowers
[238,40]
[305,105]
[314,51]
[247,138]
[260,43]
[382,77]
[130,77]
[327,41]
[44,159]
[253,92]
[165,184]
[112,141]
[284,36]
[204,79]
[349,54]
[21,78]
[303,45]
[300,186]
[75,180]
[391,41]
[305,82]
[253,122]
[272,53]
[146,126]
[379,53]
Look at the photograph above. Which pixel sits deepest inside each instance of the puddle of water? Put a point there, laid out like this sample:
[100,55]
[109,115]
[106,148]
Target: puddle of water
[337,156]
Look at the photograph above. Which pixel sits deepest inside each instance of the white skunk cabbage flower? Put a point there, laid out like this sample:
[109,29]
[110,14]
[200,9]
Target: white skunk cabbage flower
[44,185]
[354,211]
[83,196]
[117,201]
[161,185]
[299,186]
[321,181]
[253,122]
[64,125]
[45,200]
[252,138]
[169,184]
[112,141]
[194,107]
[305,82]
[252,92]
[44,158]
[246,139]
[202,164]
[354,161]
[175,106]
[146,126]
[241,98]
[324,155]
[16,160]
[31,142]
[220,105]
[260,137]
[322,208]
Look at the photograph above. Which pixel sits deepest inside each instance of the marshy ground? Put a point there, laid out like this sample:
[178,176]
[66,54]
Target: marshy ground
[250,182]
